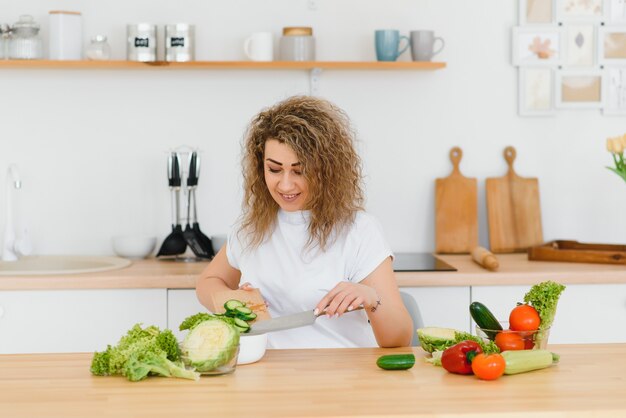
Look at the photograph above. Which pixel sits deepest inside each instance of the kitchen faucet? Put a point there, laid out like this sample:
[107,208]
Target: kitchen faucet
[12,248]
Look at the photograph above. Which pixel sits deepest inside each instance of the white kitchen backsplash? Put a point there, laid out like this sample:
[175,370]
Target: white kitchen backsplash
[92,145]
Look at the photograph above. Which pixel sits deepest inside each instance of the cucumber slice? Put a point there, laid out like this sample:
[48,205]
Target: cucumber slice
[241,324]
[243,310]
[249,317]
[232,304]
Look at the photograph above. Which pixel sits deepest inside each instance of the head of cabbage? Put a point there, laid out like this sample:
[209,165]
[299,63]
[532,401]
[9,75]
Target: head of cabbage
[210,344]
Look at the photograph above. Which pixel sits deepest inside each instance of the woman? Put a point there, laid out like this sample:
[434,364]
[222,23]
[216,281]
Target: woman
[303,238]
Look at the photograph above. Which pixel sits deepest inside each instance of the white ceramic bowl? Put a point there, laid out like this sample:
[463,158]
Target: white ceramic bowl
[251,348]
[133,246]
[218,241]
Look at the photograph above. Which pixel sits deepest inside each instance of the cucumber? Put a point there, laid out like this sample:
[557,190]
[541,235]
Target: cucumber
[243,310]
[521,361]
[241,324]
[232,304]
[485,319]
[396,361]
[249,317]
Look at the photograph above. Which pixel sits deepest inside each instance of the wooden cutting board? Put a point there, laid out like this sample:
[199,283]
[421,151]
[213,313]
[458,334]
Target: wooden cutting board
[513,210]
[252,298]
[456,210]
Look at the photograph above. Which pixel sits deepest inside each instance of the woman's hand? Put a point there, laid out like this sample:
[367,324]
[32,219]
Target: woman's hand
[345,297]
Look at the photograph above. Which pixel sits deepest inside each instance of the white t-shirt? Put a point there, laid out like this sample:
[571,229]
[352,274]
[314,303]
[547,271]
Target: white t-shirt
[293,280]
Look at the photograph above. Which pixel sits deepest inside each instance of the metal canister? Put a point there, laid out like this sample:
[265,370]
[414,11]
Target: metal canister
[180,43]
[142,42]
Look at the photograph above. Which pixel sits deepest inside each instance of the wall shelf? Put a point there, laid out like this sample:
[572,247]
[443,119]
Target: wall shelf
[221,65]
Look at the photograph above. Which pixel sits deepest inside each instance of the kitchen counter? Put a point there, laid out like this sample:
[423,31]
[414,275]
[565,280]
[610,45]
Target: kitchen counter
[588,381]
[515,269]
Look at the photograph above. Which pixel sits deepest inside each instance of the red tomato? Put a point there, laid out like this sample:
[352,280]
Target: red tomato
[524,318]
[507,340]
[488,366]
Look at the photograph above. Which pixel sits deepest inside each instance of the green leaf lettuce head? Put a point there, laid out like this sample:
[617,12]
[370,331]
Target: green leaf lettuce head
[544,298]
[142,351]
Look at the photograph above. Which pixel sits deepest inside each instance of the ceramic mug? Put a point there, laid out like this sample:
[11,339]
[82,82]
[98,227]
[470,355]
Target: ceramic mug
[423,45]
[388,44]
[259,46]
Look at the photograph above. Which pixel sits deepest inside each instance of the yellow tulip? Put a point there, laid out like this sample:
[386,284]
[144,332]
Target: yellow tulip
[609,145]
[617,146]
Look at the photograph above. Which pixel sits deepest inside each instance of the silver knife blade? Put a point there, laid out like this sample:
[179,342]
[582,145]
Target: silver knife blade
[283,322]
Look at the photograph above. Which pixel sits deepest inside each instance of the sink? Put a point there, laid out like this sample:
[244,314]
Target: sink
[60,264]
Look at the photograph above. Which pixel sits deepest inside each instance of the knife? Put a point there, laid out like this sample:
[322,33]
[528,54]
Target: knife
[281,323]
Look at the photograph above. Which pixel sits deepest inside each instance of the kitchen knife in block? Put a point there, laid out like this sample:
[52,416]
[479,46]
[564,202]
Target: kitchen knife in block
[456,210]
[252,298]
[513,210]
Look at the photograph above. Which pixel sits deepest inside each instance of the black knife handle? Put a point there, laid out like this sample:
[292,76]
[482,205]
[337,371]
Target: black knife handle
[192,179]
[176,180]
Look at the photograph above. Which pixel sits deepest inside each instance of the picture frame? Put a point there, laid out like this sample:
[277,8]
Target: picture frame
[612,45]
[537,46]
[579,89]
[580,45]
[537,12]
[580,10]
[615,11]
[614,91]
[536,92]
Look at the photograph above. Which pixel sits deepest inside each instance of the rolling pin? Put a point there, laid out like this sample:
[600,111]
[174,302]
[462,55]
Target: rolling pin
[485,258]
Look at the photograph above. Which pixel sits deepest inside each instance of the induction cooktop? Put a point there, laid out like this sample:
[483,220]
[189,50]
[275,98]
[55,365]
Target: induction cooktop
[419,262]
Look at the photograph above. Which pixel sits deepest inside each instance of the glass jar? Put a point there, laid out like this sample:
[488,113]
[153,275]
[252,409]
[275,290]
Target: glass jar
[5,33]
[98,49]
[25,43]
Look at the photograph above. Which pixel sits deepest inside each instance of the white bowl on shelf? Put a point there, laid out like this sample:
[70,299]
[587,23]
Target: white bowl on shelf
[133,246]
[251,348]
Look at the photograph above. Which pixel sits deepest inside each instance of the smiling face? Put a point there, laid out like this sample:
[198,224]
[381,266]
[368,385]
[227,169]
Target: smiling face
[283,176]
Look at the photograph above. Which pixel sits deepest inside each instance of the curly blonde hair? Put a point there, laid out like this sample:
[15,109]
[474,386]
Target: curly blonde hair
[320,135]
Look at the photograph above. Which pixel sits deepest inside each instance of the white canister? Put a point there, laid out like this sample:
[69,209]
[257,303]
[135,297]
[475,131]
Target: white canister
[141,42]
[179,42]
[66,35]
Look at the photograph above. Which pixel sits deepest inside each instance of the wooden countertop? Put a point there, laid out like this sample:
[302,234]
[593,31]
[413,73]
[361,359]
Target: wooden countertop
[515,269]
[589,381]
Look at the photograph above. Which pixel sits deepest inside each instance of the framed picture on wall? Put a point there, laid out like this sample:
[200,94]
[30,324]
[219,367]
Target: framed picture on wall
[614,91]
[579,89]
[536,92]
[580,45]
[615,11]
[535,46]
[537,12]
[612,45]
[580,10]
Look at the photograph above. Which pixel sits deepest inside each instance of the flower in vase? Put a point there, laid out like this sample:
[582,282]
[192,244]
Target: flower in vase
[616,147]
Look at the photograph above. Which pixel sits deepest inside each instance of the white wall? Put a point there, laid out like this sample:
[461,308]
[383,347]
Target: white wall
[91,145]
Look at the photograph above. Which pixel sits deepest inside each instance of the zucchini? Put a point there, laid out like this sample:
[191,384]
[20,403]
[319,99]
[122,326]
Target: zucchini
[396,361]
[232,304]
[521,361]
[485,319]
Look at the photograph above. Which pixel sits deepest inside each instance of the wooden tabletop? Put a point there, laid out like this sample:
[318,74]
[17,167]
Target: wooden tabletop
[589,381]
[515,269]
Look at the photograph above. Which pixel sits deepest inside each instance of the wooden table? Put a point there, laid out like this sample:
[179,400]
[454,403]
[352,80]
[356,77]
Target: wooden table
[589,381]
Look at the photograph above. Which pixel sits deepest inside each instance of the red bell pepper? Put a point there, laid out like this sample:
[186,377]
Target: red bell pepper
[458,358]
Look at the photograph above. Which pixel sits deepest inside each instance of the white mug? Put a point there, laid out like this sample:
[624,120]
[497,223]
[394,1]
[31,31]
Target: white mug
[259,46]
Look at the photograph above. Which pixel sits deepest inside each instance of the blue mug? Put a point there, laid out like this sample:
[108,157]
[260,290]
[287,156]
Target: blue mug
[388,44]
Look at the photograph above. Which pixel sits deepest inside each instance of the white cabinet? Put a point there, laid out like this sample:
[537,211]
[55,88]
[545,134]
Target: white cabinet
[442,306]
[181,303]
[52,321]
[585,313]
